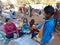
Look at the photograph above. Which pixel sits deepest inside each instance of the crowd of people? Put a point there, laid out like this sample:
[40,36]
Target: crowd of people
[29,10]
[26,27]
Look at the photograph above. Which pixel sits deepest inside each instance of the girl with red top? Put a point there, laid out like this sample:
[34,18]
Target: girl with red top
[33,30]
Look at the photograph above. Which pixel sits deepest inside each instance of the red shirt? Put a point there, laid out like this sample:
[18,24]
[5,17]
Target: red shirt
[10,28]
[34,30]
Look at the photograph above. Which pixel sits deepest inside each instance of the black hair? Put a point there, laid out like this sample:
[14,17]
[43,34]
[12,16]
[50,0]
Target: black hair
[24,20]
[7,19]
[49,10]
[32,22]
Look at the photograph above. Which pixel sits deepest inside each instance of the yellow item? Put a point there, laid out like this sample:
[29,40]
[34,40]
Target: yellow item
[41,32]
[33,27]
[20,24]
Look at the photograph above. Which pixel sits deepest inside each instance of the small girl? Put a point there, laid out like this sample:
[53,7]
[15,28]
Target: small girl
[33,30]
[25,26]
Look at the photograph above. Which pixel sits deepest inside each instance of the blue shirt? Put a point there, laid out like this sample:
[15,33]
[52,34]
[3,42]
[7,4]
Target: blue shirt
[49,28]
[39,26]
[25,27]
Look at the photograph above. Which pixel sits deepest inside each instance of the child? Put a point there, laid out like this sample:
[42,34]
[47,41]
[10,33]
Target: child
[10,28]
[25,26]
[34,31]
[49,25]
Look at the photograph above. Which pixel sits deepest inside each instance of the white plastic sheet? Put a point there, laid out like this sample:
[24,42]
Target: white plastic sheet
[15,35]
[25,40]
[18,42]
[1,40]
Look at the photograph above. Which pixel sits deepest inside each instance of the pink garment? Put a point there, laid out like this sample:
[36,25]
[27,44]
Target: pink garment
[10,28]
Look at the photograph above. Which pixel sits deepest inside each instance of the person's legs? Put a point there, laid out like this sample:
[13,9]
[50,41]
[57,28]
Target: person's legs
[21,33]
[9,36]
[34,35]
